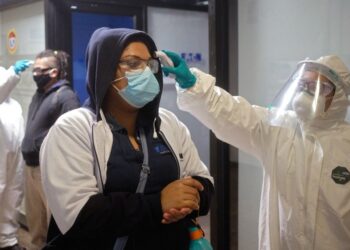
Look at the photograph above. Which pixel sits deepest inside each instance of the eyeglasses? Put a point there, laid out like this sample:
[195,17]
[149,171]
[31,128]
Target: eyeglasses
[39,71]
[316,87]
[134,63]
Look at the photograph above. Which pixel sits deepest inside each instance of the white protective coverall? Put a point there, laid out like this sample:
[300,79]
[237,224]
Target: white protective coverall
[302,207]
[11,167]
[8,81]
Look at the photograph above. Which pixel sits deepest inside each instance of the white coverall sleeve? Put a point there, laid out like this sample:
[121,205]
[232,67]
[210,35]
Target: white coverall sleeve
[8,81]
[67,164]
[231,118]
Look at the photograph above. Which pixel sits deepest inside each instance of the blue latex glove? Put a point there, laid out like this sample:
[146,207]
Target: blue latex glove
[183,74]
[21,65]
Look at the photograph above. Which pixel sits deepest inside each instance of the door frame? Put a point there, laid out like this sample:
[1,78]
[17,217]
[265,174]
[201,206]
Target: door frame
[223,158]
[58,19]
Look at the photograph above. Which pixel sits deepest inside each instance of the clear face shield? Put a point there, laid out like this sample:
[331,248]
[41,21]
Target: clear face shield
[307,95]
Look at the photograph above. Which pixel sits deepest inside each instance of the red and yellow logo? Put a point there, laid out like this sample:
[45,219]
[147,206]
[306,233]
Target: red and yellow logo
[12,41]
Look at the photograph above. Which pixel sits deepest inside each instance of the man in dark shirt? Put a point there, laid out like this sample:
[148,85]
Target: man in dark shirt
[54,96]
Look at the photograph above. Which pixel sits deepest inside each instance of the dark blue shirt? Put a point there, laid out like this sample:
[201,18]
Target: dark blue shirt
[124,164]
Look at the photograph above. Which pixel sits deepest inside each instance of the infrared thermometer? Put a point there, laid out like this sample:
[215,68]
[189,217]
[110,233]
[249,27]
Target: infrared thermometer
[165,61]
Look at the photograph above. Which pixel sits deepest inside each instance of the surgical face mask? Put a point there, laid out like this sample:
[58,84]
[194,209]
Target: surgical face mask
[142,87]
[42,80]
[308,107]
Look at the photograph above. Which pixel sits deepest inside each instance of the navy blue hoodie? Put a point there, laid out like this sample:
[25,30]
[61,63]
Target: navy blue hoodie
[102,55]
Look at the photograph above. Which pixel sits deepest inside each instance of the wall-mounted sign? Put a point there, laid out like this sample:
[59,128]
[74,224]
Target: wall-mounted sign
[11,41]
[192,57]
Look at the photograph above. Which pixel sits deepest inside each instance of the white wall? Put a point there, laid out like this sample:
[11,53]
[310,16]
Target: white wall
[28,22]
[1,42]
[186,32]
[273,36]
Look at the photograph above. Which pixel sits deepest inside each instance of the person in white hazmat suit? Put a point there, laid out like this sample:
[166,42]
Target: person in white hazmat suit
[302,142]
[11,163]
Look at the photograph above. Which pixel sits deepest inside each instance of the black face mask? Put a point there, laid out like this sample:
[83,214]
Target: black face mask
[42,80]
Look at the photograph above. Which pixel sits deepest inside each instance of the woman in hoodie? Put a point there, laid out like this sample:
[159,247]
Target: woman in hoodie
[111,170]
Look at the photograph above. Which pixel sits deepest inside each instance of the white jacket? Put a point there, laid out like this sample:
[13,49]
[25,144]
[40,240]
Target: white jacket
[302,208]
[8,80]
[69,170]
[11,169]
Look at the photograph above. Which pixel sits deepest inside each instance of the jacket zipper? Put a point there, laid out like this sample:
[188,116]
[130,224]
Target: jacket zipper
[172,151]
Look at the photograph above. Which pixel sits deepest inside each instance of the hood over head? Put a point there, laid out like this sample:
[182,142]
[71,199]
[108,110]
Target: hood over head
[102,56]
[335,63]
[339,75]
[307,104]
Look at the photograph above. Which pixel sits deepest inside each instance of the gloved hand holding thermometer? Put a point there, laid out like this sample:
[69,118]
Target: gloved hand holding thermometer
[179,68]
[21,65]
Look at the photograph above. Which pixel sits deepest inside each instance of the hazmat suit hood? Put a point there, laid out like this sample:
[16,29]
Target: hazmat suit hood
[308,104]
[102,56]
[340,75]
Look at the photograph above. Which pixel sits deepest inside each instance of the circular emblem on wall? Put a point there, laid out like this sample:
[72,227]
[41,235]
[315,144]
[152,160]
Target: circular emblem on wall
[12,41]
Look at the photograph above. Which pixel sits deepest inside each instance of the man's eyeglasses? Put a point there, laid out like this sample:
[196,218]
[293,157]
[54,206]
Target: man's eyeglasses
[134,63]
[40,71]
[316,87]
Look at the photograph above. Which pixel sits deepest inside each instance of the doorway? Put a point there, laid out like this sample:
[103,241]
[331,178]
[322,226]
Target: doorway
[83,25]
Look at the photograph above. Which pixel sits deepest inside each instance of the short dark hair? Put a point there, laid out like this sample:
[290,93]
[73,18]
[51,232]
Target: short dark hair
[61,61]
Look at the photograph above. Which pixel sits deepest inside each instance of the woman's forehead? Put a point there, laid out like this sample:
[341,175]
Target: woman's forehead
[136,49]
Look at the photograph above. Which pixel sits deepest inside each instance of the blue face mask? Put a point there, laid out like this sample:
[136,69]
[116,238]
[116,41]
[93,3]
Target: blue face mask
[142,88]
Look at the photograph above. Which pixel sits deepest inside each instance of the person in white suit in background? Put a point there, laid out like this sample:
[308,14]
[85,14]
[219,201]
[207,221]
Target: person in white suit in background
[11,163]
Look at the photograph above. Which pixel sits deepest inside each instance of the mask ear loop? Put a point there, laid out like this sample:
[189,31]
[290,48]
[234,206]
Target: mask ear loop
[115,87]
[50,71]
[118,79]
